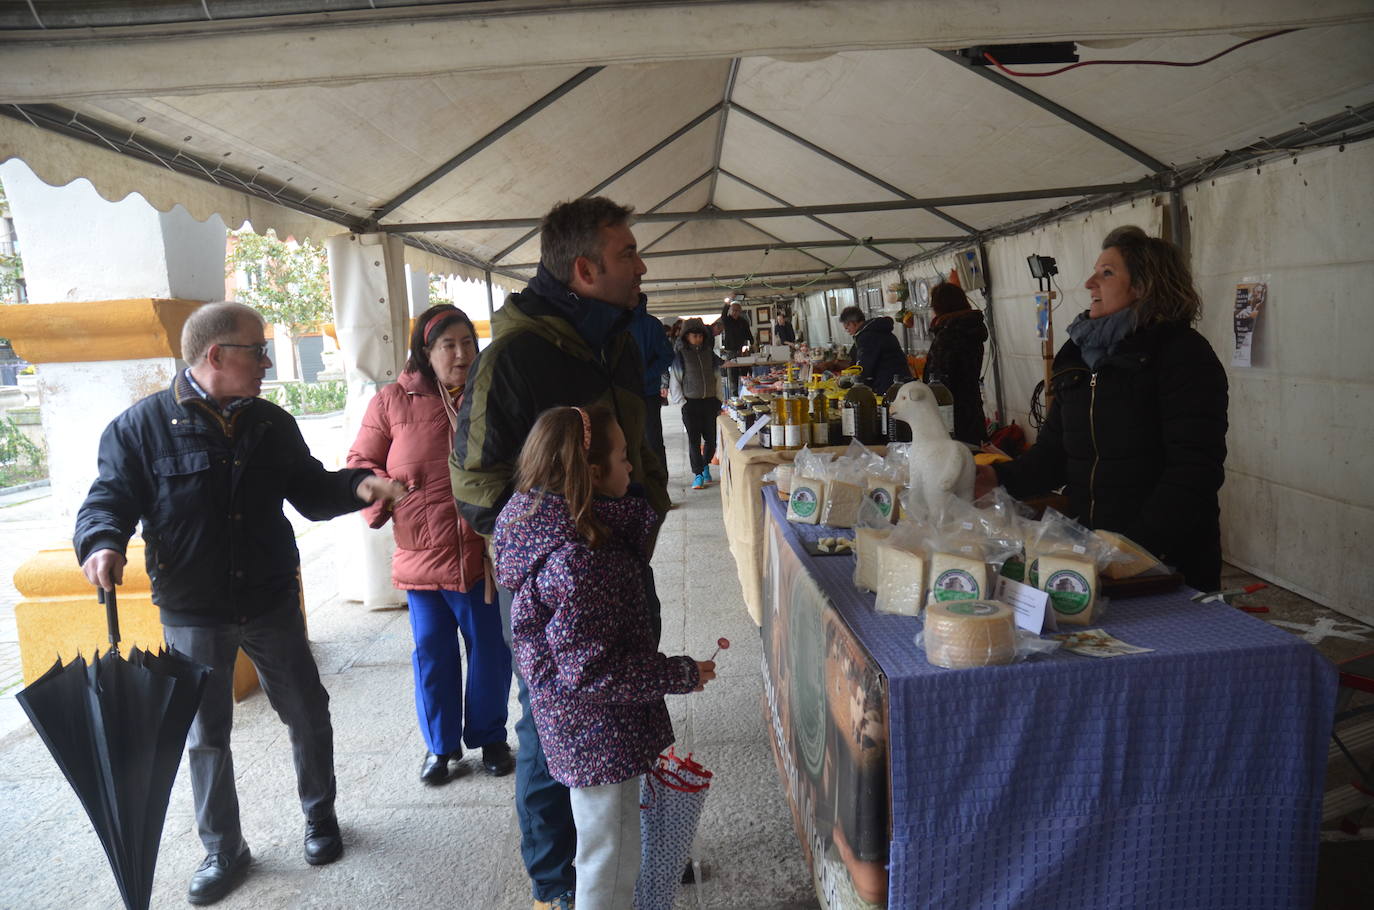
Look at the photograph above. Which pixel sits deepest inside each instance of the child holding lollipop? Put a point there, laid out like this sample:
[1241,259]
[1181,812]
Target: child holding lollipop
[573,548]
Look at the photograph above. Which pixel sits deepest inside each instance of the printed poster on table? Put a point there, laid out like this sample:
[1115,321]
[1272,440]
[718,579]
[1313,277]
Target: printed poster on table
[1250,299]
[827,710]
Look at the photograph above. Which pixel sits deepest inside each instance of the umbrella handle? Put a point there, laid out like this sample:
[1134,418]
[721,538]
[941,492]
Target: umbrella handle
[111,615]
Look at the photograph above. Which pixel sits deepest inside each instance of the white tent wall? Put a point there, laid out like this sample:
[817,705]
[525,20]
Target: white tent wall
[1297,505]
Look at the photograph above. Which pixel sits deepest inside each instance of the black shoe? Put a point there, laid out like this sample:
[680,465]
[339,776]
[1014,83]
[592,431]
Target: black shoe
[323,843]
[496,759]
[219,874]
[435,768]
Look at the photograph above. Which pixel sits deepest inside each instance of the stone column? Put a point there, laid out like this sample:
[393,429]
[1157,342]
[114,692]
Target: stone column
[112,282]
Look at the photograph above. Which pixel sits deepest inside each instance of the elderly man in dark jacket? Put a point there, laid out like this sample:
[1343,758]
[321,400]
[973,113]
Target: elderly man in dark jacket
[205,466]
[563,341]
[876,350]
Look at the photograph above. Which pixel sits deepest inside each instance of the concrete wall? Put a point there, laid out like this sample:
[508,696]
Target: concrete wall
[128,250]
[1298,502]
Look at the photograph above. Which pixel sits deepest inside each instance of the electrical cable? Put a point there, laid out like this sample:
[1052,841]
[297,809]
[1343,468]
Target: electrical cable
[1064,69]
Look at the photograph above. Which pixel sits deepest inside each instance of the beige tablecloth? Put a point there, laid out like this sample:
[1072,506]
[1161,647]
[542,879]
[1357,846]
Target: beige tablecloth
[741,476]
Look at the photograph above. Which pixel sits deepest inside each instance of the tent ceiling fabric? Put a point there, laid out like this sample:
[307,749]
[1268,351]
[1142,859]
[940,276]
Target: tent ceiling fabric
[502,129]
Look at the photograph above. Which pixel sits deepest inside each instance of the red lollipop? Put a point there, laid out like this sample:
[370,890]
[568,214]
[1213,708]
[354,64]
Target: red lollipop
[720,643]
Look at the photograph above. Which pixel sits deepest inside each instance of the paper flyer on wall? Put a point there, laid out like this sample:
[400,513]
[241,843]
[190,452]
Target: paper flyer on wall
[1251,295]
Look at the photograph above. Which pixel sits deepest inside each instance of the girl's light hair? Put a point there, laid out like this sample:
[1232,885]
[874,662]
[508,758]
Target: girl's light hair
[554,461]
[1159,275]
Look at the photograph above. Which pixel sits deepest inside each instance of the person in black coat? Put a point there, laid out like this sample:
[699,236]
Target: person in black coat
[876,350]
[956,358]
[1136,431]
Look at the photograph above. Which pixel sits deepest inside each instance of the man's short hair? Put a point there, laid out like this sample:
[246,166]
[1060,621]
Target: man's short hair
[211,324]
[573,229]
[851,314]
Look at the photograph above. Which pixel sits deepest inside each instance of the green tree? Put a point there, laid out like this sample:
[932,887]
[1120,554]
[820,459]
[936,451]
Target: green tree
[436,292]
[11,265]
[288,281]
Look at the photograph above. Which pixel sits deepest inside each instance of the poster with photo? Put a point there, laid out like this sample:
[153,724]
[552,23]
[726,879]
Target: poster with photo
[1042,317]
[1250,300]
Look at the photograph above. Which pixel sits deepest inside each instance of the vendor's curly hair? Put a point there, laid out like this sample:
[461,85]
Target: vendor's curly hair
[1159,275]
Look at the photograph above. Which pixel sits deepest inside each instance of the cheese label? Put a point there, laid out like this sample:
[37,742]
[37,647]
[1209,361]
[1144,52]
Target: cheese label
[804,501]
[1069,591]
[882,498]
[955,584]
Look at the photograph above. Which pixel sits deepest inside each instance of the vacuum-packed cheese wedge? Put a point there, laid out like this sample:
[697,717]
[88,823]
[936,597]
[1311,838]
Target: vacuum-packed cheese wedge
[1072,586]
[1140,559]
[901,581]
[883,495]
[842,501]
[866,544]
[804,505]
[970,633]
[956,577]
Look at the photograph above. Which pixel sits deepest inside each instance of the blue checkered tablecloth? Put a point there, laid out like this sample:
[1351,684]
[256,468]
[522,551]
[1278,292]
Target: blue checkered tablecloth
[1187,777]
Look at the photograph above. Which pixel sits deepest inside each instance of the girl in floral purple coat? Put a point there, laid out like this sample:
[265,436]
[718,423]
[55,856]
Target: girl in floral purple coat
[573,548]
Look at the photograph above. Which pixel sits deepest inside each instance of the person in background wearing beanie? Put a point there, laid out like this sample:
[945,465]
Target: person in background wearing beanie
[694,371]
[407,435]
[956,358]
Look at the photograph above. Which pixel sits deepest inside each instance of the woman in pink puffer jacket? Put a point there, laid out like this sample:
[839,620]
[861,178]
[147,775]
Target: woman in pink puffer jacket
[407,435]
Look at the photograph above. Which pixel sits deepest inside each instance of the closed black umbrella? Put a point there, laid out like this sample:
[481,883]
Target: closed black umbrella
[116,728]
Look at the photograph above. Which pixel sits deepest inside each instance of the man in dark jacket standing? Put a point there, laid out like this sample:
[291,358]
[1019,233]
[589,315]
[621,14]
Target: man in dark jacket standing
[876,350]
[205,466]
[563,341]
[735,336]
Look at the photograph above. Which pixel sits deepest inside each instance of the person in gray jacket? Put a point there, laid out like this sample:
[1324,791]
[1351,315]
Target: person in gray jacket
[694,368]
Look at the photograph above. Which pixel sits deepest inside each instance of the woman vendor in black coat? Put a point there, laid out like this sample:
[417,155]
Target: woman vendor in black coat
[956,358]
[1136,431]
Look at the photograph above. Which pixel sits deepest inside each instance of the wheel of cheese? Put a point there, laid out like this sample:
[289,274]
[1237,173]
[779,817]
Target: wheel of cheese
[970,633]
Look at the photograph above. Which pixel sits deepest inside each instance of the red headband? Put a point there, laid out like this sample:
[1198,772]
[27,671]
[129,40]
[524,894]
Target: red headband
[435,320]
[586,430]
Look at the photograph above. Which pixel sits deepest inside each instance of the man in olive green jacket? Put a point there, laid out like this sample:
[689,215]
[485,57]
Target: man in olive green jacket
[563,341]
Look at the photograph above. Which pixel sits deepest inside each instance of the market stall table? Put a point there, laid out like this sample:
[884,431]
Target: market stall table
[741,476]
[1190,776]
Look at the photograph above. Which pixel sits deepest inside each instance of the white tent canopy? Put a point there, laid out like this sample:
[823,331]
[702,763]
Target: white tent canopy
[458,124]
[776,147]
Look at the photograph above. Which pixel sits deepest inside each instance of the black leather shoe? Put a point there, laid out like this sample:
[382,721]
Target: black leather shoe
[323,843]
[440,769]
[496,759]
[219,874]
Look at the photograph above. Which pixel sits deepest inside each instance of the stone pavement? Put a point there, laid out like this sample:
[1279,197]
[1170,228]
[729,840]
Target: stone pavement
[412,846]
[408,845]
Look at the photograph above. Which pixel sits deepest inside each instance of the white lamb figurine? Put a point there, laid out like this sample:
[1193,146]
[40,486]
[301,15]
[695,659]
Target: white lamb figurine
[939,465]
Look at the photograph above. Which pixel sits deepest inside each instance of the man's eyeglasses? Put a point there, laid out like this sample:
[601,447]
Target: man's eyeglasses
[260,348]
